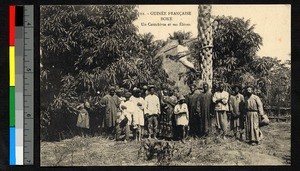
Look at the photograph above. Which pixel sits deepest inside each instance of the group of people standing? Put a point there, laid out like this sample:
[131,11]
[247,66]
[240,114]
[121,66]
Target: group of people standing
[223,112]
[149,113]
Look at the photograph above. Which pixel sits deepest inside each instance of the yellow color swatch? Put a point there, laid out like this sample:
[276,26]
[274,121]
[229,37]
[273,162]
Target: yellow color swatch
[12,74]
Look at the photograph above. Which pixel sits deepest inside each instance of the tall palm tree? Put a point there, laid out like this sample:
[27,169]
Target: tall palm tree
[206,40]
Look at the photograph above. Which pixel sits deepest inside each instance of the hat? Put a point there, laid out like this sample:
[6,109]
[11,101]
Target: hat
[151,86]
[135,89]
[127,94]
[145,87]
[181,97]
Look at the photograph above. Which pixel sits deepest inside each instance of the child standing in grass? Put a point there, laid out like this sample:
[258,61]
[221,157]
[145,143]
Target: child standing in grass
[83,120]
[182,117]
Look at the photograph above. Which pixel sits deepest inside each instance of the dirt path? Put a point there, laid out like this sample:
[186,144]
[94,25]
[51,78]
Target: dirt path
[97,151]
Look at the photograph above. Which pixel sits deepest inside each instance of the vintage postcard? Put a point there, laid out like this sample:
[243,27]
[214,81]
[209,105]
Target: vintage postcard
[165,85]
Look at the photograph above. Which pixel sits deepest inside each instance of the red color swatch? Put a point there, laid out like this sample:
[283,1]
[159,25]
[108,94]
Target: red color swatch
[12,13]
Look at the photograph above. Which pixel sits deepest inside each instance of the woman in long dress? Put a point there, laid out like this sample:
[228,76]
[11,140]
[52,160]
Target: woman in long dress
[168,104]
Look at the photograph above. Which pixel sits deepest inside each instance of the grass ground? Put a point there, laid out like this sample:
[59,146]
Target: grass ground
[275,149]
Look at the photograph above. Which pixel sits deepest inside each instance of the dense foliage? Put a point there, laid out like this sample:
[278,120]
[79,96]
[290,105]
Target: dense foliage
[84,50]
[234,45]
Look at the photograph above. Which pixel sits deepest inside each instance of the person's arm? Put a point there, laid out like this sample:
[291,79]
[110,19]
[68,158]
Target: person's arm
[230,105]
[158,106]
[133,118]
[198,105]
[103,102]
[242,106]
[242,98]
[163,100]
[225,98]
[187,112]
[142,104]
[122,106]
[146,110]
[187,99]
[211,107]
[173,102]
[259,106]
[118,102]
[176,110]
[214,98]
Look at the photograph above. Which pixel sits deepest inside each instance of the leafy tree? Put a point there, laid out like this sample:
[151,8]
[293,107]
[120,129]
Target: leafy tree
[273,80]
[234,45]
[84,50]
[181,35]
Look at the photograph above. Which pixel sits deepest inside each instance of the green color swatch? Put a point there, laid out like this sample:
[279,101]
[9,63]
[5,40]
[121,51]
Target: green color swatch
[12,106]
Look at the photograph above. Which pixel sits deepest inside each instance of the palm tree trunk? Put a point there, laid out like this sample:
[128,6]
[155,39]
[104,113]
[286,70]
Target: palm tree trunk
[206,40]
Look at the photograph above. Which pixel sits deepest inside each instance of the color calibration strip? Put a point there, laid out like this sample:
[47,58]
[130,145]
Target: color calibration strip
[12,80]
[21,84]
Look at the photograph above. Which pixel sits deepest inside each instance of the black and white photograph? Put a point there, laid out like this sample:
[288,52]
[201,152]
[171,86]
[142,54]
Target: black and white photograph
[165,85]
